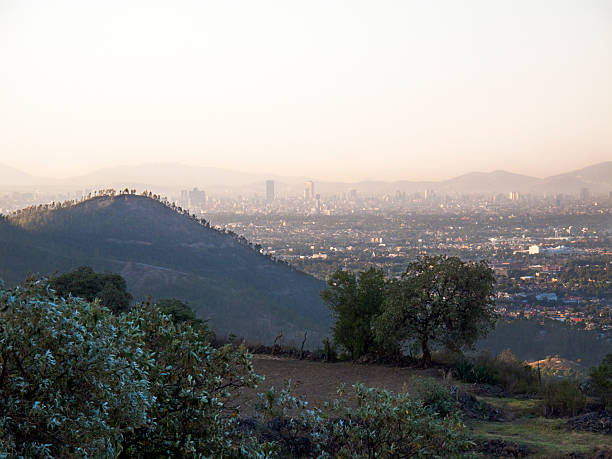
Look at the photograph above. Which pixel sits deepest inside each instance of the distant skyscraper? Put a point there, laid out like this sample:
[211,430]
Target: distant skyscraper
[184,198]
[197,198]
[269,190]
[309,193]
[513,196]
[585,194]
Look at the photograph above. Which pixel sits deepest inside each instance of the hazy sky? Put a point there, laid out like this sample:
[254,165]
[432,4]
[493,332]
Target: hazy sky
[331,89]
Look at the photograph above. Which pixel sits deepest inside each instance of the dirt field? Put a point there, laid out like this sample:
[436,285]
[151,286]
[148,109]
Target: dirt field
[317,381]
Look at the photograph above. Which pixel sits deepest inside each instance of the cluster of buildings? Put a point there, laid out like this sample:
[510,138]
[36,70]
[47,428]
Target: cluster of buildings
[533,243]
[532,250]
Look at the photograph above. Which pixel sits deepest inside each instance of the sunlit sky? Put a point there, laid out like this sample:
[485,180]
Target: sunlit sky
[342,90]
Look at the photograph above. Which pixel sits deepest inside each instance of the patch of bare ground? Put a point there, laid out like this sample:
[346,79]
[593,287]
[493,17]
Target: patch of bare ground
[317,382]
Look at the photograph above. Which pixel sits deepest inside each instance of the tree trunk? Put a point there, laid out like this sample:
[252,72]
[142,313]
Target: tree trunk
[426,359]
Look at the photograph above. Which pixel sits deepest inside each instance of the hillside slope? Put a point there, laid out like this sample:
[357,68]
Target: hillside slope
[164,253]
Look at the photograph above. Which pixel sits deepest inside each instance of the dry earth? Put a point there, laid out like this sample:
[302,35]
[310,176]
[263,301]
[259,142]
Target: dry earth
[318,382]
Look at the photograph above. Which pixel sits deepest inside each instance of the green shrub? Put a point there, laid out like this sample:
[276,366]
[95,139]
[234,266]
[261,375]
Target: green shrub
[470,373]
[513,375]
[72,379]
[372,423]
[78,381]
[434,395]
[601,379]
[194,386]
[562,398]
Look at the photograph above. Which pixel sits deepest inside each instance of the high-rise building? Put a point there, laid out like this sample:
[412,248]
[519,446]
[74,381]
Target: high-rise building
[585,194]
[197,198]
[309,193]
[184,199]
[269,190]
[513,196]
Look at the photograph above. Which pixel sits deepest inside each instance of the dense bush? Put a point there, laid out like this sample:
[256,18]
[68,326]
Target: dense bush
[84,282]
[470,372]
[72,378]
[506,370]
[372,423]
[434,395]
[601,380]
[194,386]
[562,398]
[76,380]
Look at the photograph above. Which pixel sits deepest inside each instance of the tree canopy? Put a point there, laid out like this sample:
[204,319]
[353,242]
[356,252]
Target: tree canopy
[84,282]
[438,300]
[355,299]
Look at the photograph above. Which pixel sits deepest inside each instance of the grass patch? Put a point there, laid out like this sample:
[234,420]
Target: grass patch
[516,407]
[545,436]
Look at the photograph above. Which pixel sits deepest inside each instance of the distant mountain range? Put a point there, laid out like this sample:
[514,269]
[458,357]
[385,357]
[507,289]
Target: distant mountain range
[172,177]
[166,254]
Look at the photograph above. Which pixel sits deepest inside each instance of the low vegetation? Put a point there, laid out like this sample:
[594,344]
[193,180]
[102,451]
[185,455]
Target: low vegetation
[506,370]
[77,380]
[81,377]
[372,423]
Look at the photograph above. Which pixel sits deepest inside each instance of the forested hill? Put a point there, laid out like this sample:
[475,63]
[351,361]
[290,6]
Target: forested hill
[164,252]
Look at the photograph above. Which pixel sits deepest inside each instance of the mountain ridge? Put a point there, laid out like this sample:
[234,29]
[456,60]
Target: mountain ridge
[164,253]
[174,176]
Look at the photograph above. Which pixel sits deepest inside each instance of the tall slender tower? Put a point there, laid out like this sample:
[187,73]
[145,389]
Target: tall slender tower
[269,190]
[309,193]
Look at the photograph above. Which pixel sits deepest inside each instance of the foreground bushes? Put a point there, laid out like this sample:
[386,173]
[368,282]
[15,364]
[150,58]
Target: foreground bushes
[76,380]
[513,375]
[562,398]
[371,423]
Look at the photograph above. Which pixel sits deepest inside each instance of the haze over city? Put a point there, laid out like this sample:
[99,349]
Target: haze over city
[340,91]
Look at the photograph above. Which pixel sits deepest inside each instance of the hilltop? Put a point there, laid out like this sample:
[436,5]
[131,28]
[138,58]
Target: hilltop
[164,252]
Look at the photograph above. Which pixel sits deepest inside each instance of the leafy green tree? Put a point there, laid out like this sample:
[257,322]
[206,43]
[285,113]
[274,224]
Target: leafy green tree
[179,310]
[355,299]
[439,300]
[84,282]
